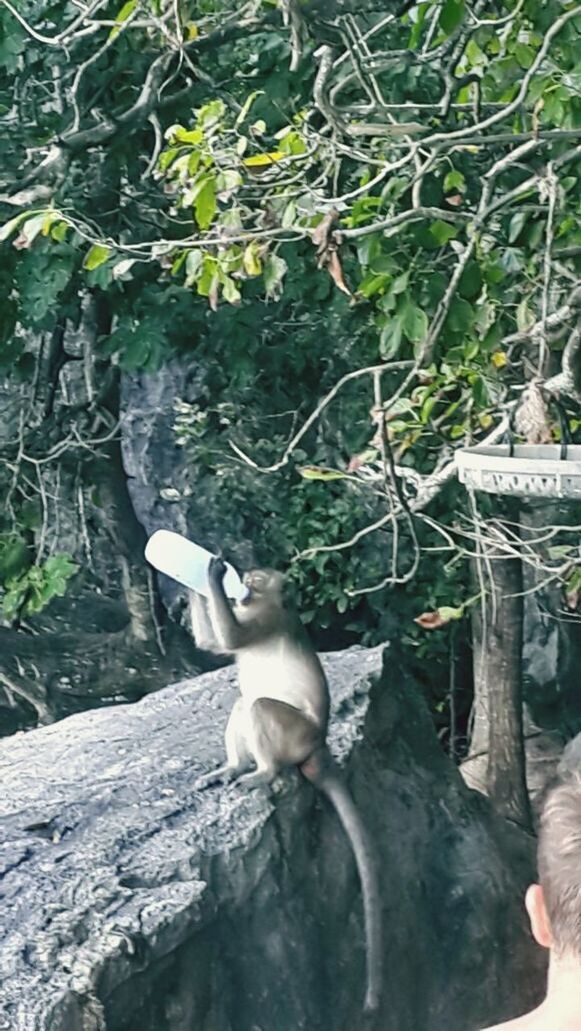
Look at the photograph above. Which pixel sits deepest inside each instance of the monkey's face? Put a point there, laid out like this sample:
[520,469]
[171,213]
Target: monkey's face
[262,582]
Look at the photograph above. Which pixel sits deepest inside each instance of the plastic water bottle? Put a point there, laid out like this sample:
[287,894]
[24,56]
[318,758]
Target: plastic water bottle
[188,563]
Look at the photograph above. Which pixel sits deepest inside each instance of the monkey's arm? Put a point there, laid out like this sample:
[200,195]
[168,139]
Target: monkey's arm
[201,625]
[231,635]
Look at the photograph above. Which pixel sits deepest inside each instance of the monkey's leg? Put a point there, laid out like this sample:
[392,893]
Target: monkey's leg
[280,735]
[237,753]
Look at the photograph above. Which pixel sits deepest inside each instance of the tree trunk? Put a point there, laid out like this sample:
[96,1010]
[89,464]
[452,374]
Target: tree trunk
[501,670]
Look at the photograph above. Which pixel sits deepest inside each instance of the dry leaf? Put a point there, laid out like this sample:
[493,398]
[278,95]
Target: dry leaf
[336,273]
[434,620]
[213,294]
[320,234]
[430,620]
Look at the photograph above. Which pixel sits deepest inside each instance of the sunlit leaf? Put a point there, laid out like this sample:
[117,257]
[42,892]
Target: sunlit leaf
[524,316]
[9,227]
[251,259]
[97,255]
[443,231]
[274,270]
[205,204]
[230,291]
[439,618]
[125,13]
[315,472]
[247,105]
[263,160]
[516,225]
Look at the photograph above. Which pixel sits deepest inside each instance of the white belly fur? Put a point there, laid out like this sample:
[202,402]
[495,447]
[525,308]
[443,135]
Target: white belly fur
[278,670]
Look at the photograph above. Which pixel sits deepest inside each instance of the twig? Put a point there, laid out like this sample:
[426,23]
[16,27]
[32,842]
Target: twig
[356,374]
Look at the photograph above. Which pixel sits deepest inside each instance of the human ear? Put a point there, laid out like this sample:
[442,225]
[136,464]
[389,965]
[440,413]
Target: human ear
[538,916]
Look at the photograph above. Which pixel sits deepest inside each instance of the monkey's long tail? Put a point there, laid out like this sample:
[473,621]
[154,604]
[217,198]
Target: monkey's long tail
[322,771]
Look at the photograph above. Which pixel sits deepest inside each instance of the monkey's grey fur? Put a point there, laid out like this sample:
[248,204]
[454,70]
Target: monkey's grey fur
[281,716]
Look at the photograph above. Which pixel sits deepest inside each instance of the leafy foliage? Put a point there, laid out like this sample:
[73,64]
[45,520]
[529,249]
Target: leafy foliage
[33,589]
[290,203]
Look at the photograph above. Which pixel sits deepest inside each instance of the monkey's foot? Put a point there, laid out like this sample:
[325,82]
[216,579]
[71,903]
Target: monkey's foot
[222,775]
[256,779]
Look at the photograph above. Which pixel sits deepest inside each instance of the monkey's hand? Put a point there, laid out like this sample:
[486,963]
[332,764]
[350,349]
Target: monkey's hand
[216,571]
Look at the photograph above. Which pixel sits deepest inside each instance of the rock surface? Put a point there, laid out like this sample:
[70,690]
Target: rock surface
[131,902]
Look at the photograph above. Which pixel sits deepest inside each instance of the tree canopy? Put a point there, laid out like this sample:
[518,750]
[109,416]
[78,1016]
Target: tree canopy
[363,217]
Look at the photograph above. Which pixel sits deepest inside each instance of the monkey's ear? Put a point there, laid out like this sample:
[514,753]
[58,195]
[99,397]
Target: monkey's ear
[289,592]
[276,580]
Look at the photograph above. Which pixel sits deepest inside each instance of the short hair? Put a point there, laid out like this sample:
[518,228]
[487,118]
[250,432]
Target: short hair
[559,859]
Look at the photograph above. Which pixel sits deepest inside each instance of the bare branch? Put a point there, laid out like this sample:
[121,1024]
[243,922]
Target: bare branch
[326,401]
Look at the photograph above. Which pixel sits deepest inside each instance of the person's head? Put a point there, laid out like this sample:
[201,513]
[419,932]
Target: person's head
[554,905]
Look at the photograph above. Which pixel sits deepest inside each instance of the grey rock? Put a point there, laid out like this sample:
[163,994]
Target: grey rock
[131,902]
[167,491]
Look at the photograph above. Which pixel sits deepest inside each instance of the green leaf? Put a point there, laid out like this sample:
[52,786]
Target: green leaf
[470,281]
[454,181]
[390,339]
[228,180]
[136,352]
[263,160]
[475,55]
[274,271]
[400,283]
[414,322]
[512,259]
[60,566]
[525,55]
[315,472]
[210,114]
[97,255]
[372,285]
[420,16]
[167,157]
[461,315]
[451,15]
[205,280]
[289,215]
[251,259]
[524,317]
[447,612]
[426,409]
[194,262]
[15,557]
[459,430]
[247,105]
[479,392]
[125,12]
[230,291]
[33,226]
[8,228]
[59,231]
[516,225]
[443,231]
[205,204]
[181,135]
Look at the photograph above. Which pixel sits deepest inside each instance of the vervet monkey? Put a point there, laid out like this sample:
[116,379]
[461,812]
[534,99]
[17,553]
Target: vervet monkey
[281,716]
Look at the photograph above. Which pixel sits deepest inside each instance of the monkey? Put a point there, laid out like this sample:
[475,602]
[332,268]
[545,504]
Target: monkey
[280,718]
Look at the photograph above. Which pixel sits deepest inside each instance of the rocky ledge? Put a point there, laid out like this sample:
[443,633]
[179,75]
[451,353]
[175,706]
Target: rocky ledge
[131,902]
